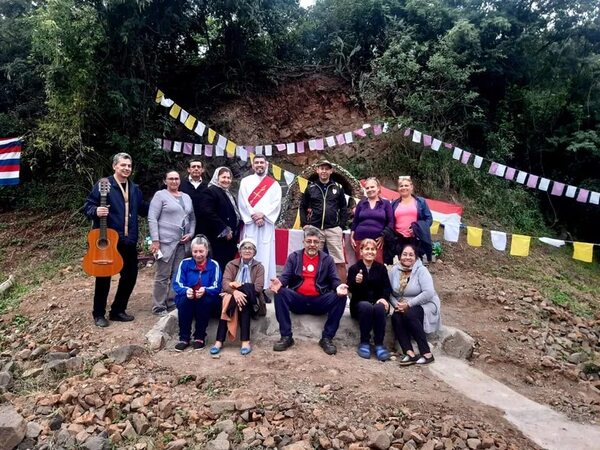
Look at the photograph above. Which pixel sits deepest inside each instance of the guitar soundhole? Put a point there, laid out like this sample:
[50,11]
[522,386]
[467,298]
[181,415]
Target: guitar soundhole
[102,243]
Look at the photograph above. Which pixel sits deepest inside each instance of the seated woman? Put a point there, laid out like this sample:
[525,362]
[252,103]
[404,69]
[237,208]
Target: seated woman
[243,282]
[412,222]
[416,306]
[197,287]
[371,216]
[369,284]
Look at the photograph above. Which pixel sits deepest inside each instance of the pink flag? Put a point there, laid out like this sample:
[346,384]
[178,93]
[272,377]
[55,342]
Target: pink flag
[376,129]
[340,139]
[426,140]
[300,147]
[557,188]
[319,144]
[208,150]
[280,147]
[360,132]
[188,148]
[510,173]
[167,145]
[493,168]
[532,181]
[465,157]
[448,145]
[583,195]
[250,148]
[407,132]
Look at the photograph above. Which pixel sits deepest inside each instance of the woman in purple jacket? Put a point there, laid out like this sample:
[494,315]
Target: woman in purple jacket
[371,216]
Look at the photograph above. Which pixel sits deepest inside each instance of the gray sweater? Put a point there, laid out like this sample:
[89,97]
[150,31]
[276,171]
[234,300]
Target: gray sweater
[169,222]
[419,291]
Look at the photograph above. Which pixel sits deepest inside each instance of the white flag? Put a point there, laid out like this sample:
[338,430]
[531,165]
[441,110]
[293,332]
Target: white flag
[166,102]
[451,232]
[435,145]
[199,130]
[499,240]
[500,170]
[521,177]
[241,152]
[258,149]
[544,184]
[386,127]
[594,198]
[348,137]
[291,148]
[571,191]
[221,142]
[183,115]
[219,151]
[197,149]
[268,150]
[553,242]
[289,177]
[330,141]
[416,136]
[456,153]
[477,161]
[177,147]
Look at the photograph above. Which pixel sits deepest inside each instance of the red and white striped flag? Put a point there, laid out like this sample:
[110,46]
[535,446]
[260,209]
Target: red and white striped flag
[10,161]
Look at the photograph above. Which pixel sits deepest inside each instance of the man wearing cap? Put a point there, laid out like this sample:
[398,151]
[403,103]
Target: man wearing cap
[324,206]
[309,284]
[259,200]
[193,186]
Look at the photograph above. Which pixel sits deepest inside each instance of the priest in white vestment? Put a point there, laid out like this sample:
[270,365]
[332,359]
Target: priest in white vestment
[259,201]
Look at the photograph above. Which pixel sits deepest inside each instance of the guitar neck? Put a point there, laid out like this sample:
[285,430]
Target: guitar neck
[103,220]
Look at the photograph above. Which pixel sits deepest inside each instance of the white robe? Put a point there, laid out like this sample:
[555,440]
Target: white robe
[270,206]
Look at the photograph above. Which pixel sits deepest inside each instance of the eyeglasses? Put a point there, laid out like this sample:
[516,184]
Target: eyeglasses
[247,247]
[312,241]
[173,179]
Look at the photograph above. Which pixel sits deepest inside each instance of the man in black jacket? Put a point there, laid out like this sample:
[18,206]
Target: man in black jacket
[309,284]
[193,186]
[324,206]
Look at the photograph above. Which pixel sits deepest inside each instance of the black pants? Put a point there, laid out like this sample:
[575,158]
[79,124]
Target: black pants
[126,283]
[371,317]
[409,325]
[244,315]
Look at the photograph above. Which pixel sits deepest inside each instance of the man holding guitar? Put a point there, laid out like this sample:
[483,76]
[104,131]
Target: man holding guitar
[124,202]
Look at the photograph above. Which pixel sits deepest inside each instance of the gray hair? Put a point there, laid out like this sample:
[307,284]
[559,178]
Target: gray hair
[200,239]
[120,156]
[310,231]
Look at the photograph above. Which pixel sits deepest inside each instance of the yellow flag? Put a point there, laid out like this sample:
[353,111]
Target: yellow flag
[230,148]
[276,171]
[297,221]
[474,235]
[159,95]
[189,123]
[251,156]
[519,245]
[175,110]
[435,227]
[211,135]
[583,251]
[302,183]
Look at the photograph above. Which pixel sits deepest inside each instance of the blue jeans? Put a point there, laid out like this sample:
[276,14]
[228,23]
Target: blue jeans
[287,300]
[200,310]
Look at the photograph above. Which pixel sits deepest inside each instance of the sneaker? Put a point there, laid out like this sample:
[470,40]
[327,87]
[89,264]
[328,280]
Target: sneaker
[197,344]
[121,317]
[161,313]
[100,321]
[328,346]
[181,346]
[283,344]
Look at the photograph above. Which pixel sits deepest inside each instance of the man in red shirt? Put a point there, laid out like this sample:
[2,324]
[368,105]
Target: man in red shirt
[309,284]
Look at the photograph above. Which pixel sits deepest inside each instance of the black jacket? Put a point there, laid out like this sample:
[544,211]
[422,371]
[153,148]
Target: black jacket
[375,285]
[196,196]
[324,206]
[217,213]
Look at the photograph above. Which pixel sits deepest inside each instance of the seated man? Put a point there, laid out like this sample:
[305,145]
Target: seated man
[309,284]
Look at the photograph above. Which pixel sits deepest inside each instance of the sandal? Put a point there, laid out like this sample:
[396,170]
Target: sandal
[245,350]
[214,350]
[425,360]
[364,350]
[382,353]
[408,360]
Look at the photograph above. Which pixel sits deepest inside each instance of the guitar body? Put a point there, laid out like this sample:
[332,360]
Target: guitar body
[102,259]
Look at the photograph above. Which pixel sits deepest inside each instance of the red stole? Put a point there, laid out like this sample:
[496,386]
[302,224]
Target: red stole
[260,190]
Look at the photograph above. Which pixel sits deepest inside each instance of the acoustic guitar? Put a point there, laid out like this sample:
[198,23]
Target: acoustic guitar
[102,258]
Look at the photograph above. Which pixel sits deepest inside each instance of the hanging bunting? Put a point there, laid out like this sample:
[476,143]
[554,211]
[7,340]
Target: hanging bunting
[435,144]
[330,141]
[268,150]
[583,251]
[208,150]
[595,198]
[360,133]
[177,147]
[159,96]
[174,112]
[377,129]
[241,152]
[230,148]
[510,173]
[166,102]
[498,240]
[199,130]
[544,184]
[276,171]
[297,221]
[258,150]
[300,147]
[189,123]
[426,140]
[197,149]
[451,232]
[477,162]
[167,145]
[465,157]
[474,236]
[211,135]
[302,184]
[521,176]
[519,245]
[456,153]
[500,170]
[557,188]
[183,116]
[583,195]
[416,137]
[435,227]
[532,181]
[493,168]
[340,139]
[348,137]
[187,148]
[571,190]
[289,177]
[291,148]
[553,242]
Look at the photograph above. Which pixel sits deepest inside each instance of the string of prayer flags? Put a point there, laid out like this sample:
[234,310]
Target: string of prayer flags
[583,251]
[498,240]
[474,236]
[519,245]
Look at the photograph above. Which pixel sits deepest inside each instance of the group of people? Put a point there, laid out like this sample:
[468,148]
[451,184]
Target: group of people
[215,254]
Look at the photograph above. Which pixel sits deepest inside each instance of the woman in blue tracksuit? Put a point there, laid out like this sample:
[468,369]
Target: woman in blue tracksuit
[197,285]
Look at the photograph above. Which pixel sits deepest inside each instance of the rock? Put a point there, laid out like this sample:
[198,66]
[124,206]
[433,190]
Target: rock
[379,440]
[39,351]
[178,444]
[165,409]
[6,381]
[220,443]
[33,430]
[244,403]
[248,434]
[455,342]
[125,353]
[97,443]
[410,445]
[225,426]
[346,437]
[156,340]
[12,427]
[129,432]
[54,356]
[55,422]
[429,445]
[59,366]
[32,373]
[300,445]
[98,370]
[220,406]
[577,358]
[140,423]
[473,443]
[23,354]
